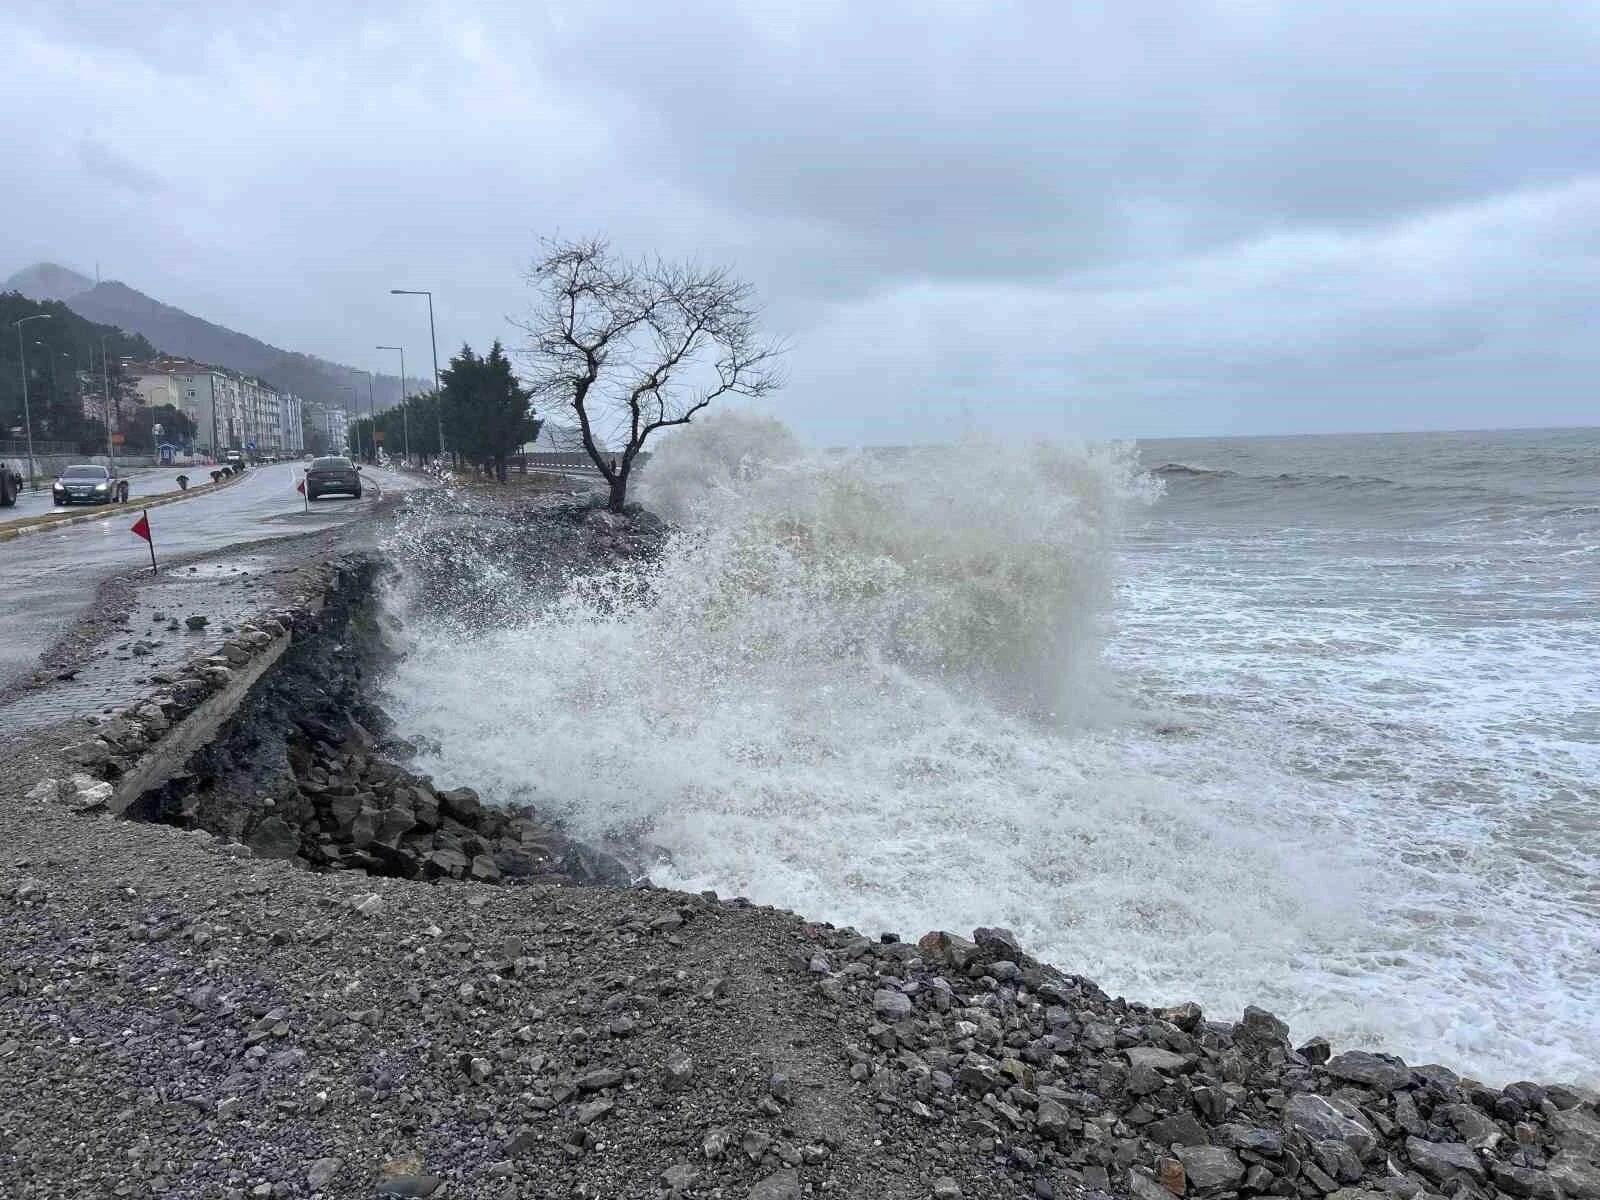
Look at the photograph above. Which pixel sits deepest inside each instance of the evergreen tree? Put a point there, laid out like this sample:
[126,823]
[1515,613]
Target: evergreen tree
[488,411]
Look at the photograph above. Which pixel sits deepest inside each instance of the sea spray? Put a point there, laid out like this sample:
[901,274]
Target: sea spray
[853,690]
[870,686]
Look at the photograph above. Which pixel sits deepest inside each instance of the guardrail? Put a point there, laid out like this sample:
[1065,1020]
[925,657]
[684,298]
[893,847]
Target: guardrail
[569,461]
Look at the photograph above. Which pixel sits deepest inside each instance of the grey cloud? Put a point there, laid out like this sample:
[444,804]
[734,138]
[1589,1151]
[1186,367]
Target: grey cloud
[1147,219]
[103,165]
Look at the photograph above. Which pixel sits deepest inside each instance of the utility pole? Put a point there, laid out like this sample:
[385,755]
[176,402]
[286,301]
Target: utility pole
[105,385]
[405,420]
[27,416]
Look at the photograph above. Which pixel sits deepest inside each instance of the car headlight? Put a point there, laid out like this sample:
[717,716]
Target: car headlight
[100,487]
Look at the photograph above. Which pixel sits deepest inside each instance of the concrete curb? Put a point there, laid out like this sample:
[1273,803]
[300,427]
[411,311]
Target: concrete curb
[12,532]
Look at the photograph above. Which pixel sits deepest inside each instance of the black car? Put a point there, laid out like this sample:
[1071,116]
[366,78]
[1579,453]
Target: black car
[10,484]
[325,476]
[89,484]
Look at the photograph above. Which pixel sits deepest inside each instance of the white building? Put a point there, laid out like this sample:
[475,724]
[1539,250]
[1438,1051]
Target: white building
[291,427]
[338,428]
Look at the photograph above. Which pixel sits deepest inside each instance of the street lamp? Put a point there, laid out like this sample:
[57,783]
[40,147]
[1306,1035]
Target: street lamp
[405,420]
[438,400]
[27,417]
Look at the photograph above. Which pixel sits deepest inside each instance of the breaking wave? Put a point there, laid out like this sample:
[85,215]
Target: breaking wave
[871,687]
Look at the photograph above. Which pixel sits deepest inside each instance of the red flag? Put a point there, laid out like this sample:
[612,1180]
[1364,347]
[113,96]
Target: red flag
[301,487]
[142,526]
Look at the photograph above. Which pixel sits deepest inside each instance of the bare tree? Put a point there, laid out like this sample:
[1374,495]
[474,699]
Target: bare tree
[636,346]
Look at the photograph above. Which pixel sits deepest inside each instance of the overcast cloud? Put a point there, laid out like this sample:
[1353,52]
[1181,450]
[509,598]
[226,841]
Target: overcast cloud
[1129,218]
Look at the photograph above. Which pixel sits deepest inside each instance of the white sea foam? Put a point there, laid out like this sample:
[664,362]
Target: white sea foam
[872,688]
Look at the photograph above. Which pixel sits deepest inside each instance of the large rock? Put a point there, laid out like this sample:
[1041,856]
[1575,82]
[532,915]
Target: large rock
[1210,1168]
[785,1185]
[448,862]
[461,804]
[1317,1118]
[1523,1181]
[425,807]
[397,821]
[364,829]
[1578,1179]
[1444,1161]
[1577,1131]
[891,1005]
[273,837]
[1164,1061]
[1181,1130]
[1381,1072]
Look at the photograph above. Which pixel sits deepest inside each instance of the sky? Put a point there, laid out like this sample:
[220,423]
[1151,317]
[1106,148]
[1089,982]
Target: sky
[1124,219]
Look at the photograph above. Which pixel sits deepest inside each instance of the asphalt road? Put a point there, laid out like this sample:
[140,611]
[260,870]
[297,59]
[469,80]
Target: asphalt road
[142,481]
[48,578]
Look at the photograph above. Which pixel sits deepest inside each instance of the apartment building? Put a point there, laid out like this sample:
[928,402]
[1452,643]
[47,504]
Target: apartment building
[231,411]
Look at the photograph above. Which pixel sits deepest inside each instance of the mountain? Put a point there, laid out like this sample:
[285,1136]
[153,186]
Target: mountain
[185,335]
[47,281]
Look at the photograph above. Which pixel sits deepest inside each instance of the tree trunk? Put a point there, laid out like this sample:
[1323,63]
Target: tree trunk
[619,492]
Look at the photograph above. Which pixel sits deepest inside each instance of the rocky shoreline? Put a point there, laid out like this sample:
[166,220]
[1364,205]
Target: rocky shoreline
[185,1011]
[301,771]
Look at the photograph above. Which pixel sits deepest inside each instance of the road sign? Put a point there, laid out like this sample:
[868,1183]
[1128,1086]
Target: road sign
[156,429]
[378,436]
[249,445]
[117,439]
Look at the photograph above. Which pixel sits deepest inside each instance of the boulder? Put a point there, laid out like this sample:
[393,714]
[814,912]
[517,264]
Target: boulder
[447,862]
[461,804]
[1180,1130]
[1164,1061]
[1577,1131]
[1318,1118]
[1577,1178]
[1210,1168]
[1380,1072]
[891,1005]
[274,838]
[1444,1162]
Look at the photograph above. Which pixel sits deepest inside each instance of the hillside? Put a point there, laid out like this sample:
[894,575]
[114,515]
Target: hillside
[180,333]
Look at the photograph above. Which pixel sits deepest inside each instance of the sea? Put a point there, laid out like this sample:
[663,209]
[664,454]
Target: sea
[1310,723]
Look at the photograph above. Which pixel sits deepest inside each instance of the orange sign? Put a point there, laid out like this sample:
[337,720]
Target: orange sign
[378,434]
[117,439]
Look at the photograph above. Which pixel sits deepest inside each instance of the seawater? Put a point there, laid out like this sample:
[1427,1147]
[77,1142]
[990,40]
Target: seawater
[1309,723]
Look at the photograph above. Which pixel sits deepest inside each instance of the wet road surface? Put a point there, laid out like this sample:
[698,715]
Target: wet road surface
[142,481]
[48,579]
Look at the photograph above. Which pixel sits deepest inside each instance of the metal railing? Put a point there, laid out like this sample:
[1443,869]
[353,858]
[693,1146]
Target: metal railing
[18,448]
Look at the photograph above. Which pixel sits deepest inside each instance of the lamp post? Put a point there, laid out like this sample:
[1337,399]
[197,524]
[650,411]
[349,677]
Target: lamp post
[438,399]
[405,420]
[27,417]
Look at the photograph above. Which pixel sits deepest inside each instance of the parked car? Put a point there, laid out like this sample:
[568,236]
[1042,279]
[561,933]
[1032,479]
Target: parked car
[10,484]
[325,476]
[89,484]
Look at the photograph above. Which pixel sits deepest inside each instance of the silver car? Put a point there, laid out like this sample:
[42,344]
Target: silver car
[88,484]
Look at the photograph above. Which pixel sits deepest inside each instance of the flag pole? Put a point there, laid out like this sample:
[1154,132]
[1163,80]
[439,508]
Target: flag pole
[149,539]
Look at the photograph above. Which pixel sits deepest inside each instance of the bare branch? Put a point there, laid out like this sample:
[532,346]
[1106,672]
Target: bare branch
[637,346]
